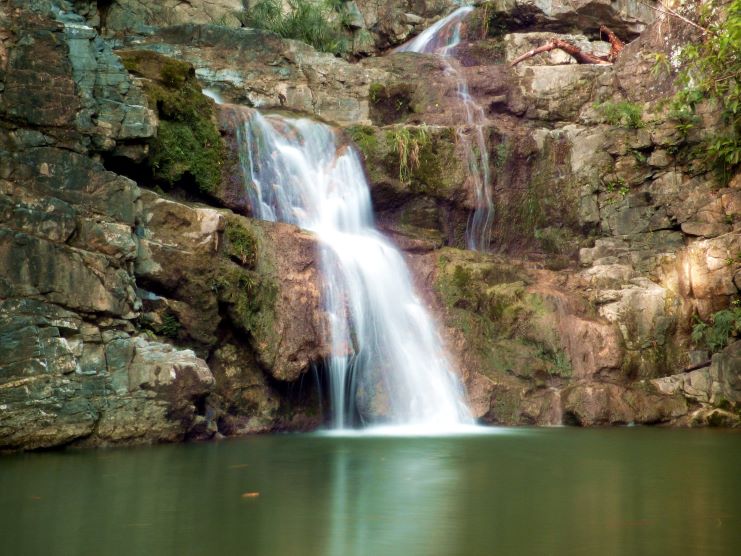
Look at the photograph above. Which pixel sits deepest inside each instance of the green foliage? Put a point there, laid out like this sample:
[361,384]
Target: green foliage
[407,143]
[241,244]
[661,64]
[723,325]
[712,73]
[188,142]
[364,137]
[169,327]
[375,91]
[625,114]
[250,298]
[320,23]
[502,154]
[617,185]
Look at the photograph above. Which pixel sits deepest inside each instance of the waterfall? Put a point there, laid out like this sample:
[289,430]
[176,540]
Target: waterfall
[441,39]
[387,357]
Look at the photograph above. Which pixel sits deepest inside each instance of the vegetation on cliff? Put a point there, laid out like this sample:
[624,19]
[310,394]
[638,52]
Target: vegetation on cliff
[712,73]
[721,329]
[188,144]
[320,24]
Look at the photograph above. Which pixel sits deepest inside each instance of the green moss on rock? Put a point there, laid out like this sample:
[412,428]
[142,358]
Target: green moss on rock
[188,144]
[418,159]
[250,300]
[241,243]
[510,329]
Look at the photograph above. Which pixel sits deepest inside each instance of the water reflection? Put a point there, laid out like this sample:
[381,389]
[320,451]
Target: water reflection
[402,501]
[556,491]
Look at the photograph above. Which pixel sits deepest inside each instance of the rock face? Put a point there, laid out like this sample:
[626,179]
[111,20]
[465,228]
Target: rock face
[99,277]
[139,302]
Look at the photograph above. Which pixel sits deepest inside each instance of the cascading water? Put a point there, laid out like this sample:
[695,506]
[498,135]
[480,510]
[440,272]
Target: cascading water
[385,349]
[441,39]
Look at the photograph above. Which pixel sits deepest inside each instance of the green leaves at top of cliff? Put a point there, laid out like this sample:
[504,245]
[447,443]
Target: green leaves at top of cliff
[320,23]
[188,146]
[712,72]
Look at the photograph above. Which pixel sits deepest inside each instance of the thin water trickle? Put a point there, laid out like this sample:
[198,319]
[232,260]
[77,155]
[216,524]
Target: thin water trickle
[388,363]
[441,39]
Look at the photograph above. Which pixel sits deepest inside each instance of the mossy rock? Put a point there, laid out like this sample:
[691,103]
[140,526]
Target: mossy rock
[412,160]
[188,147]
[510,329]
[389,104]
[240,242]
[250,300]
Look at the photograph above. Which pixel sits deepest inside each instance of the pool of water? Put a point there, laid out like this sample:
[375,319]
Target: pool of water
[514,491]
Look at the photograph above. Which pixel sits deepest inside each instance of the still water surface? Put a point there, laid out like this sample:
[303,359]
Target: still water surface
[512,492]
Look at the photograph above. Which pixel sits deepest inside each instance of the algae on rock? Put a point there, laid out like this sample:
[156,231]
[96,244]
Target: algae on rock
[188,144]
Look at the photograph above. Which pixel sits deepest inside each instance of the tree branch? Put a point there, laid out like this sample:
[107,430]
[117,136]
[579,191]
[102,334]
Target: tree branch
[668,11]
[616,45]
[579,55]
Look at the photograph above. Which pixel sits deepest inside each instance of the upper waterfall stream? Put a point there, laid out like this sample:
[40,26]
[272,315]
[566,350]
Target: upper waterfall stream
[387,359]
[441,39]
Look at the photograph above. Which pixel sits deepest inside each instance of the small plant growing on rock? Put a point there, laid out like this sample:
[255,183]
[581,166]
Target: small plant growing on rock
[169,327]
[720,329]
[241,244]
[710,74]
[407,143]
[319,23]
[625,114]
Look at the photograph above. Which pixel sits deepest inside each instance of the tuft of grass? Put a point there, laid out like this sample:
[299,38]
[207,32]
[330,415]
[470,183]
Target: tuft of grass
[407,143]
[320,23]
[625,114]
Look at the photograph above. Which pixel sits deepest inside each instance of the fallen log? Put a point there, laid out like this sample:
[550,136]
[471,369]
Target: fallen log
[698,366]
[616,46]
[577,53]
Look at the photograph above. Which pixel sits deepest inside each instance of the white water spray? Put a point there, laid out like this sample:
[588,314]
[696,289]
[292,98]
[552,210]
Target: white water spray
[386,352]
[441,39]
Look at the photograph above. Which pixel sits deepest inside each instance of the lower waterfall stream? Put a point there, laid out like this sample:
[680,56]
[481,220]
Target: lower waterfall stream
[387,359]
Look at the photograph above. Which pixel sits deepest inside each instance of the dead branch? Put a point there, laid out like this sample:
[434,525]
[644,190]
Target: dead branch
[577,53]
[698,366]
[616,45]
[668,11]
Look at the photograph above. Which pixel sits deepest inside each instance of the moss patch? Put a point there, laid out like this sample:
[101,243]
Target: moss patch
[418,159]
[510,329]
[247,285]
[389,104]
[241,243]
[188,146]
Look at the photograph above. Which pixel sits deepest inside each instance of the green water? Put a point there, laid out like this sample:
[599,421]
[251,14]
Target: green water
[519,492]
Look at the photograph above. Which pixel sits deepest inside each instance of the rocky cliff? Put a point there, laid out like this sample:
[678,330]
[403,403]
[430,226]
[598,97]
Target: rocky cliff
[140,303]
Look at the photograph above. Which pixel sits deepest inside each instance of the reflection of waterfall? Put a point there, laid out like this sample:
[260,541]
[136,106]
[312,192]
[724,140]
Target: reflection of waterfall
[387,358]
[441,39]
[396,497]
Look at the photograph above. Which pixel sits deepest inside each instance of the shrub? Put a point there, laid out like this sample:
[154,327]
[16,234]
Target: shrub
[723,326]
[320,23]
[711,71]
[407,143]
[626,114]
